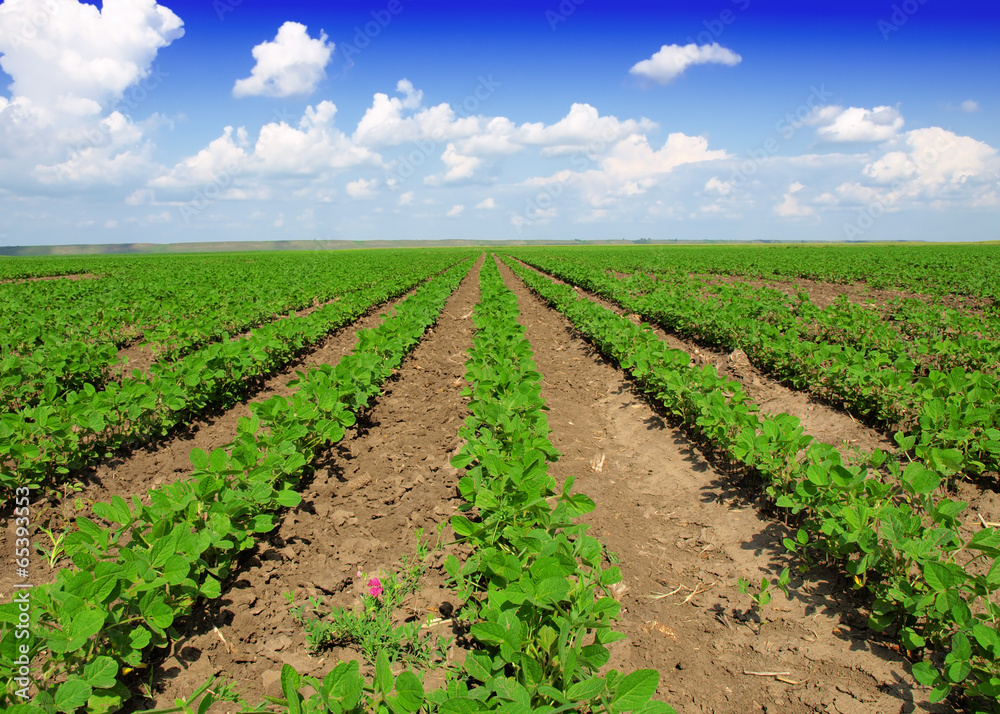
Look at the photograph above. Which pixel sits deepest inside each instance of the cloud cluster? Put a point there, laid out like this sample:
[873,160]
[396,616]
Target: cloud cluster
[292,64]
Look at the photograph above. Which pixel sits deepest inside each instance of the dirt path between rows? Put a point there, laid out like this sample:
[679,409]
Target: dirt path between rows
[821,421]
[164,462]
[389,475]
[684,535]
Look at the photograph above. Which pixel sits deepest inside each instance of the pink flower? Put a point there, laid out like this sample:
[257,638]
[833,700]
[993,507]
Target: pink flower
[358,574]
[375,587]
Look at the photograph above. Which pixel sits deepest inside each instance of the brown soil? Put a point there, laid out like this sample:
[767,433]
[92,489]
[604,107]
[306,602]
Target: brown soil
[77,276]
[389,475]
[678,527]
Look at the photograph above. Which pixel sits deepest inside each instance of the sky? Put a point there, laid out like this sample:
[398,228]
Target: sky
[204,120]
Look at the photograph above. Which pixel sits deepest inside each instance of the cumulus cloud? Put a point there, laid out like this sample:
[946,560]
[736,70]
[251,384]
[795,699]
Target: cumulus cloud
[406,199]
[384,123]
[223,159]
[455,210]
[362,188]
[672,60]
[461,168]
[855,124]
[934,161]
[293,64]
[81,59]
[718,186]
[633,159]
[313,149]
[790,206]
[487,203]
[970,105]
[71,64]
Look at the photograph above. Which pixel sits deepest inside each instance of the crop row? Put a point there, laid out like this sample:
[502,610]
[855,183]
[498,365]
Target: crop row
[39,443]
[943,269]
[529,587]
[56,336]
[129,582]
[949,419]
[897,533]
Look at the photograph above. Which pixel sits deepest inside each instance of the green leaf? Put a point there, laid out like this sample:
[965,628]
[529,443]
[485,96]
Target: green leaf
[911,640]
[176,569]
[462,526]
[461,705]
[478,665]
[100,672]
[199,459]
[383,675]
[585,690]
[635,690]
[211,588]
[938,576]
[611,576]
[105,701]
[84,625]
[288,499]
[410,691]
[290,681]
[71,695]
[655,707]
[926,674]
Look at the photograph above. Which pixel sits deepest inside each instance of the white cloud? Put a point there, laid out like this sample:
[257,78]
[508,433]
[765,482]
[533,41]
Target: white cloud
[856,124]
[634,159]
[223,159]
[671,60]
[406,199]
[140,197]
[790,206]
[582,129]
[970,106]
[70,64]
[316,145]
[113,152]
[362,188]
[111,223]
[487,203]
[461,168]
[293,64]
[934,162]
[69,57]
[315,148]
[455,211]
[718,186]
[383,124]
[279,221]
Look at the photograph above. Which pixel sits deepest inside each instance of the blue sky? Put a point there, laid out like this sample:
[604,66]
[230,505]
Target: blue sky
[133,121]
